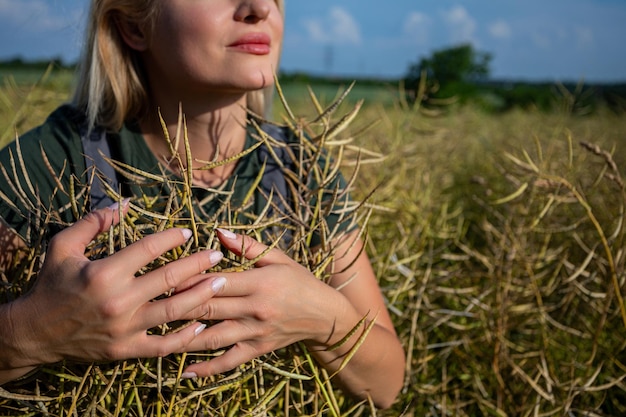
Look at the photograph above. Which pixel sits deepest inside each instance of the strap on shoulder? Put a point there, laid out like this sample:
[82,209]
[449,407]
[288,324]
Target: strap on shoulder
[95,146]
[274,177]
[273,181]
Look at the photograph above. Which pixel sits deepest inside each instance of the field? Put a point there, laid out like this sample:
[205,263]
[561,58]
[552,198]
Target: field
[499,243]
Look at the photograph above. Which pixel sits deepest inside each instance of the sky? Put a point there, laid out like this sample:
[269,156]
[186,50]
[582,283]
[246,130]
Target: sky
[534,40]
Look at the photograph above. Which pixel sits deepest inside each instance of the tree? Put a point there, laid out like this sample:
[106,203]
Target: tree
[451,66]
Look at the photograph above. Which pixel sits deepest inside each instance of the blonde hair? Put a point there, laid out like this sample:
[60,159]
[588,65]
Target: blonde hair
[111,84]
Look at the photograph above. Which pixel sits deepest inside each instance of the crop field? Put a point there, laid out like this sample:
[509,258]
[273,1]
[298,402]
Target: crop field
[499,242]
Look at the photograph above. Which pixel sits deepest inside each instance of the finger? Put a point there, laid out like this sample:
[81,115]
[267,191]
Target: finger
[233,301]
[178,306]
[147,249]
[251,248]
[215,257]
[87,228]
[222,334]
[232,358]
[175,273]
[152,346]
[221,308]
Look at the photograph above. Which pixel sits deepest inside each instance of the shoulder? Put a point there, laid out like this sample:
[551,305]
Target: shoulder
[60,129]
[37,167]
[54,145]
[63,122]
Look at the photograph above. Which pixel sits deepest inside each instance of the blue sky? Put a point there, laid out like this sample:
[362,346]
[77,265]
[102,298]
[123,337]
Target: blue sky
[529,39]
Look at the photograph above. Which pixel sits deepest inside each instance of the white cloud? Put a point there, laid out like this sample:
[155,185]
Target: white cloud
[561,34]
[460,24]
[34,15]
[417,27]
[338,27]
[20,9]
[541,40]
[500,30]
[584,37]
[415,22]
[316,30]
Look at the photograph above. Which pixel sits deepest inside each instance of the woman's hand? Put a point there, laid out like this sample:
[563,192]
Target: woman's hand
[275,304]
[280,302]
[99,310]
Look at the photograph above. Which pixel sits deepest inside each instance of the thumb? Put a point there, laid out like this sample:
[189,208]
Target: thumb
[86,229]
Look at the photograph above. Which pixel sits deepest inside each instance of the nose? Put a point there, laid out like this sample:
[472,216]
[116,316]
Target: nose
[253,11]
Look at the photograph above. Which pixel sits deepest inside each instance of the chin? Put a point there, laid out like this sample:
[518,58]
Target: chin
[262,79]
[243,82]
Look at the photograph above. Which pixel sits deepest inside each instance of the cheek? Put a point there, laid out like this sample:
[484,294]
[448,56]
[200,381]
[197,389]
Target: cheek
[189,22]
[278,26]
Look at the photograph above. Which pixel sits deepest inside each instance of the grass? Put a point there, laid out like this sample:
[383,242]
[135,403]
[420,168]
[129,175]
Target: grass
[505,265]
[498,241]
[26,99]
[295,91]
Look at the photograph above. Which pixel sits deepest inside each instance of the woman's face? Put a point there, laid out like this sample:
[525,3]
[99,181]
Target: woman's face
[227,46]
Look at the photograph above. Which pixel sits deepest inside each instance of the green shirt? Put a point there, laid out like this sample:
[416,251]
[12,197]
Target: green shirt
[51,157]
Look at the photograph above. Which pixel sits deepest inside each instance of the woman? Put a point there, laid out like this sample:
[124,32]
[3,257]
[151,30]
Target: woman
[143,61]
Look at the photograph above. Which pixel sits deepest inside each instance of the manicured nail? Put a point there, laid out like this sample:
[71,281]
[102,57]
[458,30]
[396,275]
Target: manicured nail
[227,234]
[215,257]
[200,329]
[187,234]
[218,284]
[115,206]
[189,375]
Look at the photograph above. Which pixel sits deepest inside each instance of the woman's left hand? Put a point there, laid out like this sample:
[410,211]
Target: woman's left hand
[275,304]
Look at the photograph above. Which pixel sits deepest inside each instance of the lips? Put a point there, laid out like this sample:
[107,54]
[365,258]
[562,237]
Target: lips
[256,43]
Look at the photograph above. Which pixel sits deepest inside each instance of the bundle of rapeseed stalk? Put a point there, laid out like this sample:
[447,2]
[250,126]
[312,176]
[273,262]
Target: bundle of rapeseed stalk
[285,382]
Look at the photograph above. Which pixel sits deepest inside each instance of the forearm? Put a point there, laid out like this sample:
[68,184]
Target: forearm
[374,370]
[13,374]
[13,361]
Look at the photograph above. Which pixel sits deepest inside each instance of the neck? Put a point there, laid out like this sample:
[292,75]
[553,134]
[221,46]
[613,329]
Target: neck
[214,132]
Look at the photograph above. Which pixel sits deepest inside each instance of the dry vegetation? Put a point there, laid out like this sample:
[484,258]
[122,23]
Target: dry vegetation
[503,261]
[499,243]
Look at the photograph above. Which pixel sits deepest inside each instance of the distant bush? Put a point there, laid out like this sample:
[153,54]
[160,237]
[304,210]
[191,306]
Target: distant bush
[19,63]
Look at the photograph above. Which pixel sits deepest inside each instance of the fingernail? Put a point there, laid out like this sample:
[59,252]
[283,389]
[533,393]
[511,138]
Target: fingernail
[116,205]
[189,375]
[218,284]
[215,257]
[187,234]
[200,329]
[227,234]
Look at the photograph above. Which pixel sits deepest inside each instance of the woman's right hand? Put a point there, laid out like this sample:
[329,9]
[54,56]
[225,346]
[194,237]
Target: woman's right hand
[99,310]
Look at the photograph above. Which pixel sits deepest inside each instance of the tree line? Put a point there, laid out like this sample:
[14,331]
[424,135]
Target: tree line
[19,63]
[459,74]
[462,74]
